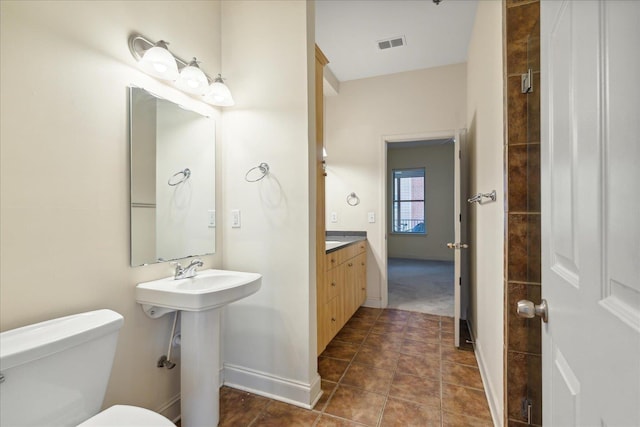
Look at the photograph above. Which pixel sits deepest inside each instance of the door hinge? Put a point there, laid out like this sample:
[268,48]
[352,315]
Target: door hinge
[460,217]
[525,409]
[459,154]
[460,281]
[526,82]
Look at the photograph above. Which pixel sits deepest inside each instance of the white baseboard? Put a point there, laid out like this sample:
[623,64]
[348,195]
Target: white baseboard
[171,409]
[373,303]
[495,404]
[272,386]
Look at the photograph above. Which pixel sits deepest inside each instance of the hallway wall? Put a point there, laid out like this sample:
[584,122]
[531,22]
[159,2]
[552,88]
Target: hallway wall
[270,337]
[486,135]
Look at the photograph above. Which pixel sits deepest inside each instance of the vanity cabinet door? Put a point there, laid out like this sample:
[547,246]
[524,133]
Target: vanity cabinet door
[333,283]
[350,300]
[360,264]
[341,291]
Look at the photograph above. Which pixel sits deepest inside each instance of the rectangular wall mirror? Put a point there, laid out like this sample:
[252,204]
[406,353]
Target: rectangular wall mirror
[172,180]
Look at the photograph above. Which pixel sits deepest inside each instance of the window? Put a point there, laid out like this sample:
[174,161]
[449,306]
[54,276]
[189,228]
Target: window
[408,214]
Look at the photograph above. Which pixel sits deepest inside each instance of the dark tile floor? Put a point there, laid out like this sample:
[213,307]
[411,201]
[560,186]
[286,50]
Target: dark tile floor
[384,368]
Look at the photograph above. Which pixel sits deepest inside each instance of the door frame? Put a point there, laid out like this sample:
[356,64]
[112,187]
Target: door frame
[384,140]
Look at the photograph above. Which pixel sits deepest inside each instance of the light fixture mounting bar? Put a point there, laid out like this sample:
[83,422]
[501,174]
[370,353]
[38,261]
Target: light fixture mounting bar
[138,44]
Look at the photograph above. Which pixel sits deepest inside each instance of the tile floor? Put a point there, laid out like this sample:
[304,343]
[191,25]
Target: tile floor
[384,368]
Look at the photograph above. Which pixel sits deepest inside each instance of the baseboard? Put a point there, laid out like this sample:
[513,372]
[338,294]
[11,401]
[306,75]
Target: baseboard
[495,404]
[274,387]
[171,409]
[373,303]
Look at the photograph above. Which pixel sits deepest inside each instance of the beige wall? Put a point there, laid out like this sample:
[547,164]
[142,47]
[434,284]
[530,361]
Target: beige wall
[437,160]
[65,68]
[270,337]
[412,105]
[485,123]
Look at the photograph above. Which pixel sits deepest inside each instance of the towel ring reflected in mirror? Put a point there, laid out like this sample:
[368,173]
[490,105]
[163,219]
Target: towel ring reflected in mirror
[353,199]
[257,173]
[179,177]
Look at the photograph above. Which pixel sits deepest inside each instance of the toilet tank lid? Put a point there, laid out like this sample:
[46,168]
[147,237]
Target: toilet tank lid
[28,343]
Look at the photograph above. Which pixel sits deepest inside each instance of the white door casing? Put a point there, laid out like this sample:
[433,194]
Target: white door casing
[460,220]
[590,169]
[461,235]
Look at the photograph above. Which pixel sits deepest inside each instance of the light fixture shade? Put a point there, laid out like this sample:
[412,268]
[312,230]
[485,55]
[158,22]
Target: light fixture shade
[192,79]
[219,94]
[159,62]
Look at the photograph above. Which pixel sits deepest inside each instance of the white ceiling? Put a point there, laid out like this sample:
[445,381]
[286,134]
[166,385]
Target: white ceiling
[347,31]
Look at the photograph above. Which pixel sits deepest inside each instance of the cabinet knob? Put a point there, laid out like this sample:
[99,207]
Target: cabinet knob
[350,264]
[333,283]
[333,319]
[333,260]
[362,263]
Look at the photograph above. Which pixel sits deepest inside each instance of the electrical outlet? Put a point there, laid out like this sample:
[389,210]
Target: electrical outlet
[334,216]
[371,216]
[235,218]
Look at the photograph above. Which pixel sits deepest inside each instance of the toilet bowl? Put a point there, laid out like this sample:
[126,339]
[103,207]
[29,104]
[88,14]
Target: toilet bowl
[125,415]
[56,373]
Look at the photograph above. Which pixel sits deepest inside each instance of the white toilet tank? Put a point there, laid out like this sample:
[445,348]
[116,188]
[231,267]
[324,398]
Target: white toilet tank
[55,373]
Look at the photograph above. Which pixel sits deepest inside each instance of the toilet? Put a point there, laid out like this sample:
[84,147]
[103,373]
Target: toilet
[55,373]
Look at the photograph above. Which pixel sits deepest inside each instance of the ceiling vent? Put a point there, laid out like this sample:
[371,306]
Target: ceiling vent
[392,42]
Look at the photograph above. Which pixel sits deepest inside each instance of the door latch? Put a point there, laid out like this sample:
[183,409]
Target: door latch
[457,245]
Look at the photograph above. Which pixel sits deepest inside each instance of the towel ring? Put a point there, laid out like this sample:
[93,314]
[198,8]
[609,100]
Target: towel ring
[186,173]
[264,171]
[353,199]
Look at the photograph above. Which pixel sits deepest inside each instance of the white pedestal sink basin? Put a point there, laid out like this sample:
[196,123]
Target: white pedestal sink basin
[199,298]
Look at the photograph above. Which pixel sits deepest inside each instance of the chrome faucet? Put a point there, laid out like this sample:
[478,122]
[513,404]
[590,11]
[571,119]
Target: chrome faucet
[189,271]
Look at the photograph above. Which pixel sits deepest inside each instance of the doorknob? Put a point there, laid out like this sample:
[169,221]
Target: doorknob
[529,310]
[457,245]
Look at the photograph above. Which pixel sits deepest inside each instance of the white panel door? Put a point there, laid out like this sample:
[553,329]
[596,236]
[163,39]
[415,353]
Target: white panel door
[590,56]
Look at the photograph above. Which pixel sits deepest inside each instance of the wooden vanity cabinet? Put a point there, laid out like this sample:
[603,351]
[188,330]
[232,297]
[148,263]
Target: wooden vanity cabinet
[342,291]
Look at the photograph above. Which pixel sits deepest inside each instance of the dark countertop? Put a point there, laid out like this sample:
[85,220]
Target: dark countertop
[336,240]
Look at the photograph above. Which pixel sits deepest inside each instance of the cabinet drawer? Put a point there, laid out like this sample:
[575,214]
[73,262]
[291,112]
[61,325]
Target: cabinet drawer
[351,251]
[333,283]
[331,260]
[360,247]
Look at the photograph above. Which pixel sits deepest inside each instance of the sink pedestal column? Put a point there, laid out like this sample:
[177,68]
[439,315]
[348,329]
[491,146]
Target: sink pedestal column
[200,368]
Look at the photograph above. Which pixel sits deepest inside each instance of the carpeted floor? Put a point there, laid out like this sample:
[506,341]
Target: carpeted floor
[420,285]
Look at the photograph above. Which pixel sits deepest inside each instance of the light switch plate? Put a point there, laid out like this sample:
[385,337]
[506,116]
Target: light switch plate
[371,216]
[211,215]
[334,216]
[235,218]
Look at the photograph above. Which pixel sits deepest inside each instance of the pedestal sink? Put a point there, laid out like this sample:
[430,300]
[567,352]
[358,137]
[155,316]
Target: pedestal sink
[199,299]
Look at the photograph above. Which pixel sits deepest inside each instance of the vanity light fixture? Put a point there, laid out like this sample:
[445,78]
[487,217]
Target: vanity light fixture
[156,60]
[192,80]
[219,93]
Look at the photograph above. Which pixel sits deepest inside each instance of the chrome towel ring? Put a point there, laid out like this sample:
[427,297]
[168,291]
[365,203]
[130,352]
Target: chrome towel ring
[262,170]
[179,177]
